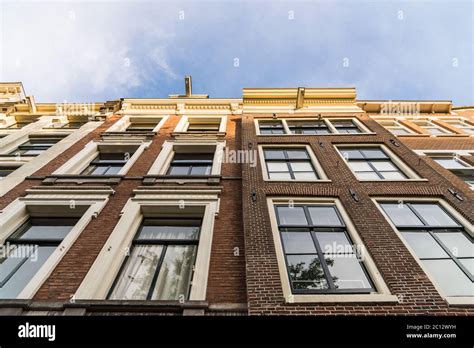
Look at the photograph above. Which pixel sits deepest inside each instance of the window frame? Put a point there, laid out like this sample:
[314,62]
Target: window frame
[383,293]
[318,169]
[468,228]
[184,122]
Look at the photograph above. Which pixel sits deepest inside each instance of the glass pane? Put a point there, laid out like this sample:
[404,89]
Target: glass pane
[360,166]
[434,215]
[201,170]
[384,165]
[193,158]
[291,216]
[305,176]
[306,272]
[113,170]
[280,176]
[297,154]
[271,124]
[158,229]
[449,162]
[274,154]
[399,131]
[350,154]
[16,283]
[45,229]
[424,245]
[301,166]
[9,264]
[469,264]
[277,166]
[324,216]
[298,243]
[135,279]
[96,170]
[374,153]
[334,243]
[450,278]
[180,170]
[175,273]
[367,176]
[457,243]
[393,175]
[401,215]
[347,272]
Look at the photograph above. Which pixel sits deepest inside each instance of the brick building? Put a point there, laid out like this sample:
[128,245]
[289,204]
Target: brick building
[284,201]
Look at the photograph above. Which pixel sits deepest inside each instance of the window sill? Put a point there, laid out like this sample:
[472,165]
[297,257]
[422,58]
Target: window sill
[342,298]
[298,181]
[313,135]
[460,301]
[82,179]
[181,179]
[392,180]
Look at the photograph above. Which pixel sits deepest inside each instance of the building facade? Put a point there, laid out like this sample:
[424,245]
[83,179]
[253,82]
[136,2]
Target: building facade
[284,201]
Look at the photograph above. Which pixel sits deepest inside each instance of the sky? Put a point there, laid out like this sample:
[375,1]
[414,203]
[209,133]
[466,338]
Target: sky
[84,51]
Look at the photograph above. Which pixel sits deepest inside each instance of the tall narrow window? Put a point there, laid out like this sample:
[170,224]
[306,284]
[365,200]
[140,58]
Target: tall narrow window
[345,126]
[30,246]
[191,164]
[439,241]
[371,163]
[37,145]
[289,164]
[107,163]
[161,261]
[319,253]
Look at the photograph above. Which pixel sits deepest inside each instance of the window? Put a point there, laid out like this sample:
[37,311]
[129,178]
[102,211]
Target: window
[161,261]
[203,125]
[450,162]
[308,127]
[37,145]
[191,164]
[461,124]
[371,163]
[271,127]
[289,164]
[431,127]
[395,127]
[345,126]
[107,163]
[6,170]
[32,244]
[18,125]
[141,127]
[66,125]
[456,165]
[319,253]
[439,241]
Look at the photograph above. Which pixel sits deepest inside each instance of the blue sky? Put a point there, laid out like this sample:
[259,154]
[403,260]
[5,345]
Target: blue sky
[103,50]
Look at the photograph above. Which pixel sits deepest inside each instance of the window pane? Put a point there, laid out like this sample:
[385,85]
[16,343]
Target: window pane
[175,273]
[297,154]
[305,176]
[96,170]
[45,229]
[291,216]
[279,176]
[393,175]
[277,166]
[298,243]
[469,264]
[113,170]
[347,272]
[424,245]
[135,280]
[360,166]
[201,170]
[306,272]
[179,170]
[28,269]
[350,154]
[158,229]
[301,166]
[449,162]
[324,216]
[434,215]
[367,176]
[401,215]
[374,153]
[334,242]
[274,154]
[384,165]
[450,278]
[457,243]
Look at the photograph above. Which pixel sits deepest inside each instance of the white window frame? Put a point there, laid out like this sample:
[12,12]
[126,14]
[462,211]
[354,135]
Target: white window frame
[183,123]
[319,171]
[163,161]
[101,276]
[404,168]
[431,124]
[396,125]
[383,293]
[78,163]
[468,227]
[122,124]
[327,120]
[465,124]
[16,213]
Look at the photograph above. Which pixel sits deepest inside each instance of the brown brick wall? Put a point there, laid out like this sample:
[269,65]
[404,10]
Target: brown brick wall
[399,269]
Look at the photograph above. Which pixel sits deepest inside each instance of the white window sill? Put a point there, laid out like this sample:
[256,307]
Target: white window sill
[323,135]
[460,300]
[342,298]
[300,181]
[392,180]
